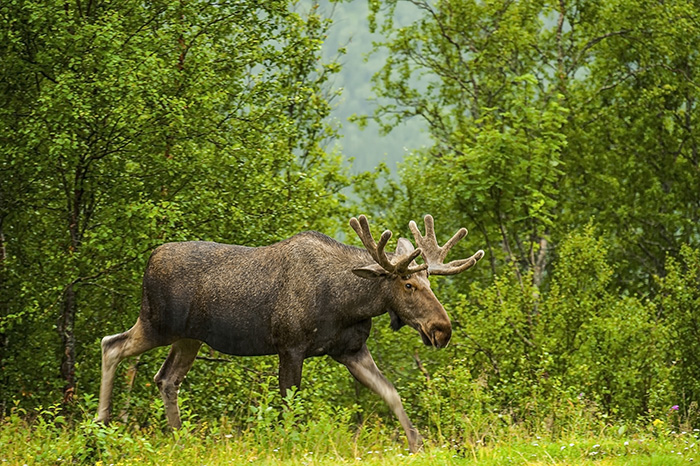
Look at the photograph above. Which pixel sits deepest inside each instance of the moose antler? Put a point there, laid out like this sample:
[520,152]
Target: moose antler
[434,255]
[401,266]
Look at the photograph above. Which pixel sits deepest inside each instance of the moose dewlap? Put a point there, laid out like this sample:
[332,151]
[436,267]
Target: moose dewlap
[306,296]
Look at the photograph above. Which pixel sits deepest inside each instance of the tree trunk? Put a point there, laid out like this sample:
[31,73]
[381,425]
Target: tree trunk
[4,306]
[540,262]
[3,252]
[66,324]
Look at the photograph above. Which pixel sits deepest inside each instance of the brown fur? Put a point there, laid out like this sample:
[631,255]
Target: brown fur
[305,296]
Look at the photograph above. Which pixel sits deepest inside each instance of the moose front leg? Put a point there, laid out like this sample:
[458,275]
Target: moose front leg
[291,363]
[362,367]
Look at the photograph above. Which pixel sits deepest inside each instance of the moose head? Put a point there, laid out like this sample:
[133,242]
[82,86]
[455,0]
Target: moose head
[414,303]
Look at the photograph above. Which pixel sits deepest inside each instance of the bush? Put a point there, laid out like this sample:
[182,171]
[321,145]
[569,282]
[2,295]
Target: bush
[678,305]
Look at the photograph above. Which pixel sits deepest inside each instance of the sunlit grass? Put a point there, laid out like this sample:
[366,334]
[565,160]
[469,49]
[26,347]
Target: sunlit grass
[50,439]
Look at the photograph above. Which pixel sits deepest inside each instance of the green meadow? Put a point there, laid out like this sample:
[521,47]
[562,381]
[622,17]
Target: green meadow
[282,437]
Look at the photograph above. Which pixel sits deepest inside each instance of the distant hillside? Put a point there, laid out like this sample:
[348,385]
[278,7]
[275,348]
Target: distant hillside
[350,30]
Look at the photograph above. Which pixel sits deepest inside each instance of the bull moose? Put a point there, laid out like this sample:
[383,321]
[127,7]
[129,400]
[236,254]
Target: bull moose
[306,296]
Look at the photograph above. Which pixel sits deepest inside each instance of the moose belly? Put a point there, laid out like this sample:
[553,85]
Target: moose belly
[242,336]
[238,345]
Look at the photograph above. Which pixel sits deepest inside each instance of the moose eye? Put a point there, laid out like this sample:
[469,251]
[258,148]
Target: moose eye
[409,286]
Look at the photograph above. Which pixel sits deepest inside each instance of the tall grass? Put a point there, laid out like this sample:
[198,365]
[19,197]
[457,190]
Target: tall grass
[291,435]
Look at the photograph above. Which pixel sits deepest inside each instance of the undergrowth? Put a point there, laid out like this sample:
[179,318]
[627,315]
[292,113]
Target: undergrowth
[293,433]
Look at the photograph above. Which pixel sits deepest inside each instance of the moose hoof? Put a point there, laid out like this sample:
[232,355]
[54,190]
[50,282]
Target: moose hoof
[415,441]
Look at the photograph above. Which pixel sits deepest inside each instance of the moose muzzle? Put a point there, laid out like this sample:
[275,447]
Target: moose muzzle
[436,334]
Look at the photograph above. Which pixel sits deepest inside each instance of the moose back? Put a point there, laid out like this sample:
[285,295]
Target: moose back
[306,296]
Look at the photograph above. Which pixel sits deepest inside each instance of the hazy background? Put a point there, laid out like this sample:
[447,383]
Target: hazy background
[350,29]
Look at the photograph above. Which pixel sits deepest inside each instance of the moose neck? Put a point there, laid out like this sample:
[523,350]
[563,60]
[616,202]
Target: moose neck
[326,266]
[365,298]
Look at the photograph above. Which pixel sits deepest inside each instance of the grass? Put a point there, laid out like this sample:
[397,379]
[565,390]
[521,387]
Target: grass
[49,438]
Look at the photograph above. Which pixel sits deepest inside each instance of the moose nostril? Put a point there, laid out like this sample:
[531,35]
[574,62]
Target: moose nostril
[441,336]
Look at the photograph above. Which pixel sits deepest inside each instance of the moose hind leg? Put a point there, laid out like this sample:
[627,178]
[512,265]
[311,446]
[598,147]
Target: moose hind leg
[362,367]
[115,348]
[172,373]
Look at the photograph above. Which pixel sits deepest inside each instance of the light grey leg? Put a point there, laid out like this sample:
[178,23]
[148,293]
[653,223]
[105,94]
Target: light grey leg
[362,367]
[114,349]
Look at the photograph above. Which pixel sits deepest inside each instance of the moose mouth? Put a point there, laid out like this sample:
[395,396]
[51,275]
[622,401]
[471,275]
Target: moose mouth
[436,338]
[427,341]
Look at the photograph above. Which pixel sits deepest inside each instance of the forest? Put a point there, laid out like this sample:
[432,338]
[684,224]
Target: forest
[565,135]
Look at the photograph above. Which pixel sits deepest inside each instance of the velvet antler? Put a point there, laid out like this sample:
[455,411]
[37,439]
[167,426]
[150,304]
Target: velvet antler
[402,266]
[434,255]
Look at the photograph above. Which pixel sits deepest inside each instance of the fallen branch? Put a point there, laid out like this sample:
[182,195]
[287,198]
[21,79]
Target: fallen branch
[420,366]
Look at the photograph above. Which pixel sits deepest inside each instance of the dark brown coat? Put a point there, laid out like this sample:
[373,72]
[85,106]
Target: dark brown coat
[305,296]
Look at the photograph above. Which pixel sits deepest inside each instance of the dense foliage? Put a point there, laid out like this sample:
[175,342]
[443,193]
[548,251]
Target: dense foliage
[565,137]
[127,124]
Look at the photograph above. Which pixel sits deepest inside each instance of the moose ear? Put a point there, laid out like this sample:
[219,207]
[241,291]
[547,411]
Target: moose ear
[404,246]
[370,271]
